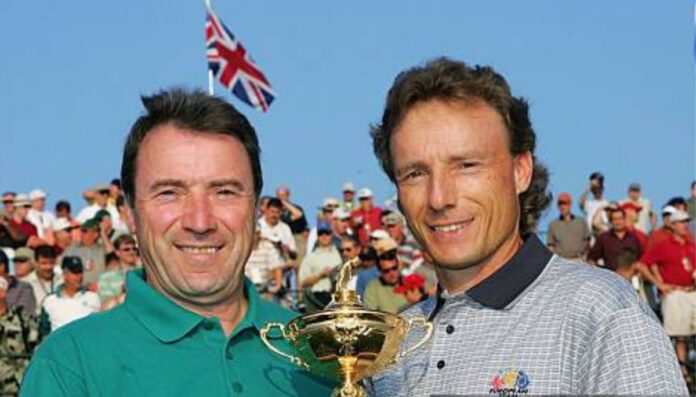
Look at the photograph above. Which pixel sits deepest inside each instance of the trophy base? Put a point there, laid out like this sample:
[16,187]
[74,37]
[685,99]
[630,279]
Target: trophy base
[349,390]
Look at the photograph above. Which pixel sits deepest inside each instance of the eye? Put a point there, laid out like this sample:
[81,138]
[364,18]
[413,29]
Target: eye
[412,175]
[167,194]
[226,193]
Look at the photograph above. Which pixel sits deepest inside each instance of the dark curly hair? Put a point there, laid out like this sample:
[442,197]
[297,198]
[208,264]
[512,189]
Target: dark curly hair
[450,80]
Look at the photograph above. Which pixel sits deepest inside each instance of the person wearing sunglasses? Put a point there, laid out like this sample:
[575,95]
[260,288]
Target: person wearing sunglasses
[317,268]
[380,293]
[110,283]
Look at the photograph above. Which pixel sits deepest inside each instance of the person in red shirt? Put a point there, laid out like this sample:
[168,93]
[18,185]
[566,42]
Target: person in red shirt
[631,210]
[366,218]
[670,264]
[23,232]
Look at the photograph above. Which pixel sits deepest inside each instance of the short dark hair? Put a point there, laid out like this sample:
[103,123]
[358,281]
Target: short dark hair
[45,251]
[4,260]
[274,202]
[116,182]
[454,81]
[122,240]
[193,110]
[63,205]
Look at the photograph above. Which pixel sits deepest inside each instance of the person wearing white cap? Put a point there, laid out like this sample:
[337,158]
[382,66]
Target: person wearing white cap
[670,264]
[366,217]
[101,202]
[22,231]
[348,203]
[39,216]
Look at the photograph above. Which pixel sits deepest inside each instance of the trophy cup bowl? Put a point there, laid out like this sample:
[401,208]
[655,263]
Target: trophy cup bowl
[347,342]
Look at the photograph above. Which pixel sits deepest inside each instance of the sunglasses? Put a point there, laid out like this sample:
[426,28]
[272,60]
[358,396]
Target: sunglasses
[345,249]
[128,249]
[324,233]
[389,269]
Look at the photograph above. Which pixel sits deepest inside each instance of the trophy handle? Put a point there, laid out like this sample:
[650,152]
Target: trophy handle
[423,323]
[264,337]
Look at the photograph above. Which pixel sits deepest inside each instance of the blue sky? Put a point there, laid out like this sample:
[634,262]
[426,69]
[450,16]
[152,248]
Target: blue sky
[611,84]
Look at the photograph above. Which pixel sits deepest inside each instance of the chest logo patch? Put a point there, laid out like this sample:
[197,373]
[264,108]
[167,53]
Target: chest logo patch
[510,382]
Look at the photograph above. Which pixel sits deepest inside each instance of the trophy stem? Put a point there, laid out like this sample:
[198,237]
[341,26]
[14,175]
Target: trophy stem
[348,372]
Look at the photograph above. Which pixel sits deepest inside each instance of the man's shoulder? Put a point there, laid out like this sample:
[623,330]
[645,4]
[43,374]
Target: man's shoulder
[593,293]
[275,312]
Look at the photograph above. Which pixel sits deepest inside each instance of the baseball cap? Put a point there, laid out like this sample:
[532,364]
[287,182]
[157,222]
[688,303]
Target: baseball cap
[669,210]
[323,227]
[330,202]
[564,198]
[24,254]
[394,218]
[37,194]
[679,216]
[379,234]
[348,187]
[635,186]
[3,284]
[21,200]
[101,214]
[101,187]
[385,245]
[72,264]
[364,193]
[597,175]
[61,224]
[91,223]
[628,205]
[340,213]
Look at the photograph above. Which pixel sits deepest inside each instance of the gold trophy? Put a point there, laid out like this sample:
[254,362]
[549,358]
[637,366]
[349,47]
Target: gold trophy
[347,342]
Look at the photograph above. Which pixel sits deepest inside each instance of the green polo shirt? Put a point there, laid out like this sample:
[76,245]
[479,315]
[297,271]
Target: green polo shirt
[151,346]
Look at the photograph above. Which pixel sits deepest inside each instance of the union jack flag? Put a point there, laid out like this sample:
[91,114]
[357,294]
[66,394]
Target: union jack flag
[232,65]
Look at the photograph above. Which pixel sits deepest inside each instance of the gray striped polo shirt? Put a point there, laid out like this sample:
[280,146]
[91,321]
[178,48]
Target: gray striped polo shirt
[539,325]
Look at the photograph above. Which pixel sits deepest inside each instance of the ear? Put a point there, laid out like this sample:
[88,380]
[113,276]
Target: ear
[524,165]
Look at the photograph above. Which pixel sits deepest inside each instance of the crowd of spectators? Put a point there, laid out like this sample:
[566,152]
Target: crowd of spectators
[56,268]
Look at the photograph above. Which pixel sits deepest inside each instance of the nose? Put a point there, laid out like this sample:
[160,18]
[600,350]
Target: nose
[442,192]
[198,215]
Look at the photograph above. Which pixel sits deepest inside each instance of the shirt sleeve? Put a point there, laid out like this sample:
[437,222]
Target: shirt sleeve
[371,299]
[630,354]
[551,236]
[48,378]
[596,250]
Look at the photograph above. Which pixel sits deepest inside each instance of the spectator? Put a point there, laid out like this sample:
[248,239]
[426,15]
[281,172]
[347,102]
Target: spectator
[691,204]
[627,267]
[366,218]
[590,206]
[18,294]
[293,215]
[368,269]
[18,337]
[91,253]
[568,236]
[341,225]
[409,250]
[612,242]
[63,211]
[110,283]
[273,229]
[647,221]
[23,262]
[106,226]
[632,211]
[101,194]
[316,269]
[115,191]
[62,235]
[44,280]
[265,265]
[23,232]
[380,293]
[6,212]
[121,223]
[71,301]
[39,217]
[679,203]
[349,250]
[348,203]
[670,264]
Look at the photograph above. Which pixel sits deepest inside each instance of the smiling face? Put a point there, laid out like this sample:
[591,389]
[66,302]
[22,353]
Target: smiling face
[194,213]
[458,183]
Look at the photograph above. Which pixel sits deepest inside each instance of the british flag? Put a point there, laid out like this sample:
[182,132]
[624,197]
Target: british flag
[234,68]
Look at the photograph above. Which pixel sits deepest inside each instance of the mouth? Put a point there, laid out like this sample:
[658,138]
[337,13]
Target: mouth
[451,227]
[198,250]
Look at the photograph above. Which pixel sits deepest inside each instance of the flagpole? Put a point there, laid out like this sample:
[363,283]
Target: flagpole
[211,78]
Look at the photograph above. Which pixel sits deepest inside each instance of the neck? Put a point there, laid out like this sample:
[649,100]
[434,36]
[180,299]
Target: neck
[70,291]
[460,280]
[620,233]
[566,217]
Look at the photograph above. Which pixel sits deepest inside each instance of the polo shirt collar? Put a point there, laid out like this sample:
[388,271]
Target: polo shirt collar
[170,322]
[507,283]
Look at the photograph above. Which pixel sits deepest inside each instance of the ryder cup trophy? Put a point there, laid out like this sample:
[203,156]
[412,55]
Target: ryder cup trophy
[346,341]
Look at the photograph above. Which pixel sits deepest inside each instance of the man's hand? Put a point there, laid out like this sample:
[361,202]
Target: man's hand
[665,288]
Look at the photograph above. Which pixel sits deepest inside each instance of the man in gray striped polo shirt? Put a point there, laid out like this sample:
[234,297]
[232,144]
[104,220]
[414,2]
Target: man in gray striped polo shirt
[510,318]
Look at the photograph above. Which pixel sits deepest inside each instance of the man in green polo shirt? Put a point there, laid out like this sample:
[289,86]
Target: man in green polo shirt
[189,326]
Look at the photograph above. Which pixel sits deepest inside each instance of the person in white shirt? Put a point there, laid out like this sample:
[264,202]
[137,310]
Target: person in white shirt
[101,202]
[273,229]
[70,302]
[44,280]
[38,216]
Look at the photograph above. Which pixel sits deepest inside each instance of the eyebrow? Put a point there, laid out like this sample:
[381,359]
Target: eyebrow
[164,183]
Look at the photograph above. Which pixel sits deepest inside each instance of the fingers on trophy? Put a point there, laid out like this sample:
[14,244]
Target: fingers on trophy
[346,341]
